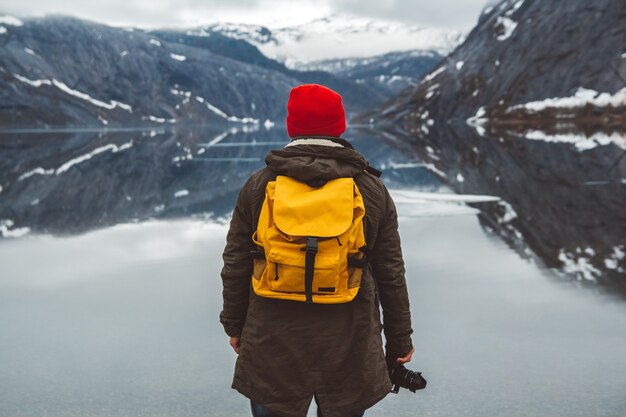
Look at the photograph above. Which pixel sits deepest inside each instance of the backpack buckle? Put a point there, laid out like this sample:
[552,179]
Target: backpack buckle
[311,244]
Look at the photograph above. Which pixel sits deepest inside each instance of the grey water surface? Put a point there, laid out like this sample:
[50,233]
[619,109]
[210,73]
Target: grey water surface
[113,310]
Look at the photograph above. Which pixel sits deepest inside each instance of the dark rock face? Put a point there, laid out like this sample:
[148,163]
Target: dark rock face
[357,96]
[65,72]
[61,71]
[155,81]
[564,196]
[522,51]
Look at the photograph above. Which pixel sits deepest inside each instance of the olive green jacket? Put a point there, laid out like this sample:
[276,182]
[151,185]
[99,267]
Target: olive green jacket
[289,350]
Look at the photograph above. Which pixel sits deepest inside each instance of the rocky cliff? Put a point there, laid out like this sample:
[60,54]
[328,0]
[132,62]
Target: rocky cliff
[60,71]
[523,51]
[530,108]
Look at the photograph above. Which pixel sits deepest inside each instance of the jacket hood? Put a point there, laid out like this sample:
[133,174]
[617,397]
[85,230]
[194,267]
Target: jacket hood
[314,159]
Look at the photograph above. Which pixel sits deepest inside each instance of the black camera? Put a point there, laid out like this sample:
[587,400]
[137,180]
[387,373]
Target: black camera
[402,377]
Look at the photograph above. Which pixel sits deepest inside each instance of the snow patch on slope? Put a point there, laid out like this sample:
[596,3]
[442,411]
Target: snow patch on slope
[79,94]
[158,119]
[11,20]
[581,98]
[434,74]
[578,263]
[212,108]
[177,57]
[508,27]
[6,229]
[505,26]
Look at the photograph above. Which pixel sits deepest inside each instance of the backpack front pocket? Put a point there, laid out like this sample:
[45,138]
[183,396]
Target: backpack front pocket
[285,272]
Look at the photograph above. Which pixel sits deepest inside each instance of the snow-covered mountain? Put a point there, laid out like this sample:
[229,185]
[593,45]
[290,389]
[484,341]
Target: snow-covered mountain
[526,55]
[60,71]
[531,108]
[390,73]
[337,37]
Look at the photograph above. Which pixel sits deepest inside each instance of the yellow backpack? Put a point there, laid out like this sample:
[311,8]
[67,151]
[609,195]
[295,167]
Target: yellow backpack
[310,242]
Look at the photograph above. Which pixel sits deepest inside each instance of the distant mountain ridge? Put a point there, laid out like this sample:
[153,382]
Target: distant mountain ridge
[337,37]
[392,72]
[61,71]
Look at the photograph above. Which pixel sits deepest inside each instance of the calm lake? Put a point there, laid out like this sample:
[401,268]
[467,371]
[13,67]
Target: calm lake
[110,289]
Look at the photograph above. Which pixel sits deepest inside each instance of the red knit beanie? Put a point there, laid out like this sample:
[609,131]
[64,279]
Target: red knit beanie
[315,110]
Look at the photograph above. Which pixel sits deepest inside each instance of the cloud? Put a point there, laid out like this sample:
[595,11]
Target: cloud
[456,14]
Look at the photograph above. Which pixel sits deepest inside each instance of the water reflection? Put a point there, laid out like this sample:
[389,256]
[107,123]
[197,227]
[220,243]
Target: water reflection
[562,200]
[123,322]
[70,182]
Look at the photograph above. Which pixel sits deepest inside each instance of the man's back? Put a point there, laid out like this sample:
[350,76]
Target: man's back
[290,350]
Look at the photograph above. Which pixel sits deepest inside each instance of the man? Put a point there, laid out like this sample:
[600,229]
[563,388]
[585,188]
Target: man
[290,351]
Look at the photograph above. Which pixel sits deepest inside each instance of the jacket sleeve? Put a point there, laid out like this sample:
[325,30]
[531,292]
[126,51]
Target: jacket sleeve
[388,267]
[238,265]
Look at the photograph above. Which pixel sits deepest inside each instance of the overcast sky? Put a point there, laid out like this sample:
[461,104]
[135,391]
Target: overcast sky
[453,14]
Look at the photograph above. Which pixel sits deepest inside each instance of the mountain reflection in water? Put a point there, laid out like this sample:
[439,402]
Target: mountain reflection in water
[71,182]
[557,204]
[563,195]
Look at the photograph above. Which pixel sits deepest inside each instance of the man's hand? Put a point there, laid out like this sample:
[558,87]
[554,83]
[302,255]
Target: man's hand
[234,343]
[406,358]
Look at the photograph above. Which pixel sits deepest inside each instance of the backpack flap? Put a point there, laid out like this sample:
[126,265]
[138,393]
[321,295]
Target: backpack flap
[301,210]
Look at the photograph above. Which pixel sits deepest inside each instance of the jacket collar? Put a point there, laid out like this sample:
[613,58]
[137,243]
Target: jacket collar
[317,158]
[331,141]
